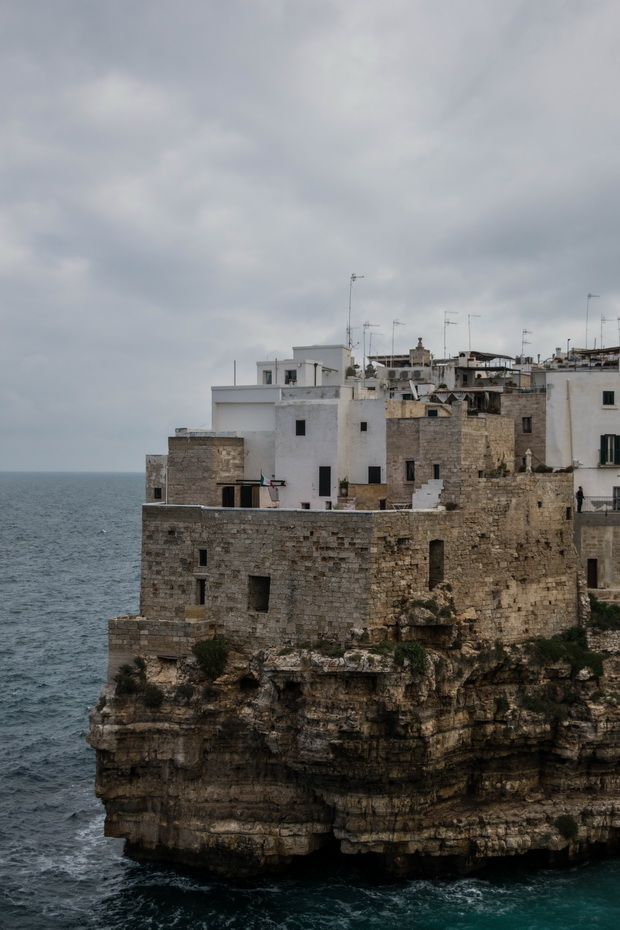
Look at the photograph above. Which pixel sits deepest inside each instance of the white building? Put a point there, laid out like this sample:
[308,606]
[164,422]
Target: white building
[583,420]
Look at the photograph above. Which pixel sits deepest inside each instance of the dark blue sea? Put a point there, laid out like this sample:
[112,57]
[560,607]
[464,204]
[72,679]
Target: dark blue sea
[69,559]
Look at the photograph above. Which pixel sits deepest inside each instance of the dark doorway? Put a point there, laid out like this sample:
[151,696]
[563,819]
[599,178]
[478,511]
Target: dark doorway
[246,497]
[374,474]
[325,480]
[228,497]
[593,573]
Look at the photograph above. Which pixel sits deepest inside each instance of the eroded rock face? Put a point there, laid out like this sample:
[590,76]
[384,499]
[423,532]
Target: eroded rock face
[444,757]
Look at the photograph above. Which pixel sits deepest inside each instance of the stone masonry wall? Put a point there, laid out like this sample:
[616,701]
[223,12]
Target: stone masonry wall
[156,478]
[508,556]
[197,463]
[518,406]
[597,536]
[460,445]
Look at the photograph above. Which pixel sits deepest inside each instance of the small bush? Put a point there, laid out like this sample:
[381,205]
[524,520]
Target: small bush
[570,646]
[604,616]
[153,697]
[384,648]
[331,650]
[140,665]
[543,469]
[414,653]
[545,708]
[211,655]
[567,826]
[125,680]
[184,691]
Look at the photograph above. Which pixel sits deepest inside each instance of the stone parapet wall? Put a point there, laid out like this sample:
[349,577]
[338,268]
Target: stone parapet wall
[132,636]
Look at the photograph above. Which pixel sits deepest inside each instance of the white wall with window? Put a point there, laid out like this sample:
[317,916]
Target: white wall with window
[583,427]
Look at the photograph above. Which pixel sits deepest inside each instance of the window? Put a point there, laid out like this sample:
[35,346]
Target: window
[267,375]
[374,474]
[305,505]
[328,505]
[526,424]
[290,376]
[300,427]
[201,590]
[202,556]
[325,480]
[609,398]
[228,496]
[258,592]
[157,494]
[436,471]
[410,471]
[363,427]
[432,413]
[610,450]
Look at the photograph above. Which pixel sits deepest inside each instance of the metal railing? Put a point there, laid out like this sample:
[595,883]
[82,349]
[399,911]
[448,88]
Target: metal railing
[600,504]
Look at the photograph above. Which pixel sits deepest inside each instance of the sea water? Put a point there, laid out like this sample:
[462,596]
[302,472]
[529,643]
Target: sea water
[69,559]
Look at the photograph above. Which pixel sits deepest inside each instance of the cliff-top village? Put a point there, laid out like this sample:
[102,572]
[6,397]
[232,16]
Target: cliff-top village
[364,618]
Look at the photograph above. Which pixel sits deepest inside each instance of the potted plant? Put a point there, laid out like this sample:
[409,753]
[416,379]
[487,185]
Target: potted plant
[344,487]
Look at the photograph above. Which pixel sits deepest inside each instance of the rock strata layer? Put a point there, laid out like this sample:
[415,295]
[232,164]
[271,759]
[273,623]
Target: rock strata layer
[430,758]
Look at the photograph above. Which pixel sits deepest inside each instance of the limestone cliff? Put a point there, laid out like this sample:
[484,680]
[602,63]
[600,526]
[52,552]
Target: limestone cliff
[440,754]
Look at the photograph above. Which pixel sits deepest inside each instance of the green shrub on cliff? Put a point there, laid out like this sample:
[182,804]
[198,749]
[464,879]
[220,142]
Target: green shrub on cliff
[125,680]
[570,646]
[414,653]
[153,697]
[211,655]
[567,826]
[604,616]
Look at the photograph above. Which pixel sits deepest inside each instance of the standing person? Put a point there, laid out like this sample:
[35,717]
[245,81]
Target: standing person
[579,496]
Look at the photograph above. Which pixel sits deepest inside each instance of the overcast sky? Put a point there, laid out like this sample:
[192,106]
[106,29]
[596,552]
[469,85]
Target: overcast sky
[190,183]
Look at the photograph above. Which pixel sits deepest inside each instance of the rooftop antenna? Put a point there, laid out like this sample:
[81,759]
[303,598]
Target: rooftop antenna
[604,319]
[370,335]
[588,299]
[395,323]
[446,323]
[470,317]
[367,325]
[525,342]
[354,277]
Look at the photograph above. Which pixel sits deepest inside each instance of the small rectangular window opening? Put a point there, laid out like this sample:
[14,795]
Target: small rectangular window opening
[569,513]
[305,505]
[526,423]
[300,427]
[290,376]
[609,398]
[201,590]
[328,505]
[157,494]
[432,413]
[363,427]
[267,375]
[258,592]
[202,556]
[436,471]
[410,470]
